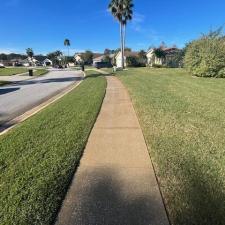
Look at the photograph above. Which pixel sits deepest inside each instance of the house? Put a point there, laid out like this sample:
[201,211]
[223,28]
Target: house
[98,58]
[16,62]
[29,62]
[118,57]
[168,59]
[6,62]
[47,62]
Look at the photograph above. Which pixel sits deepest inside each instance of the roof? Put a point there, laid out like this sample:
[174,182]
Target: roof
[77,54]
[47,60]
[16,60]
[97,55]
[166,50]
[99,58]
[169,50]
[128,53]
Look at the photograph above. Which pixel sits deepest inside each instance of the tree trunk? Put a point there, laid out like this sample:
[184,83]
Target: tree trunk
[121,39]
[68,55]
[124,39]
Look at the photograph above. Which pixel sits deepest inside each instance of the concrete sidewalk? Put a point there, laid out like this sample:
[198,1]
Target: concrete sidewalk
[115,183]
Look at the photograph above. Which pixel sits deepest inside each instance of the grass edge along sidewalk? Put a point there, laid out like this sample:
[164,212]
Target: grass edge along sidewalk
[38,158]
[183,122]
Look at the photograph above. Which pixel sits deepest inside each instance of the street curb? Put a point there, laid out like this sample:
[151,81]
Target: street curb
[16,121]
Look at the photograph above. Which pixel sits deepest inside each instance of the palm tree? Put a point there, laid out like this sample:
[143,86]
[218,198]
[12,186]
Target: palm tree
[30,52]
[116,8]
[122,11]
[67,44]
[128,15]
[30,55]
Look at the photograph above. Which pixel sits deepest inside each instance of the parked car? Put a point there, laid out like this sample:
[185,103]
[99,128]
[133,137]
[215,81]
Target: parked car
[18,64]
[100,65]
[58,66]
[1,65]
[39,64]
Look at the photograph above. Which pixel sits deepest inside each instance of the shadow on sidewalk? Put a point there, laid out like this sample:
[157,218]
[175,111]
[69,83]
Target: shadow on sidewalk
[101,197]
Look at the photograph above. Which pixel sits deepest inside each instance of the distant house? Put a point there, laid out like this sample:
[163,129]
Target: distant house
[98,58]
[16,62]
[47,62]
[118,57]
[29,62]
[26,62]
[169,58]
[6,62]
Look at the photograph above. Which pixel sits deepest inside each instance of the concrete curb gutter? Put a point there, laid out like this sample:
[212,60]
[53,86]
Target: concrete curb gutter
[14,122]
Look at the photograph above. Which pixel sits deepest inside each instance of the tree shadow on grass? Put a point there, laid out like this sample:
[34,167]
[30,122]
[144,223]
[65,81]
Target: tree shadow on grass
[99,197]
[204,196]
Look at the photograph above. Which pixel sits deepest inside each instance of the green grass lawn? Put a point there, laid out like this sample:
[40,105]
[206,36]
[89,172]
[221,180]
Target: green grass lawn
[12,71]
[2,82]
[40,72]
[39,157]
[15,70]
[183,120]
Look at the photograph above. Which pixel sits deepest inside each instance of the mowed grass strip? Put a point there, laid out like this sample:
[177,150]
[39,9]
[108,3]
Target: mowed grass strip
[40,72]
[183,119]
[12,71]
[39,157]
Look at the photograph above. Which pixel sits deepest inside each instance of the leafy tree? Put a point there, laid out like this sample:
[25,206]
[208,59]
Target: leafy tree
[107,51]
[142,54]
[54,57]
[205,57]
[135,61]
[159,53]
[87,57]
[107,59]
[40,58]
[142,57]
[3,56]
[177,59]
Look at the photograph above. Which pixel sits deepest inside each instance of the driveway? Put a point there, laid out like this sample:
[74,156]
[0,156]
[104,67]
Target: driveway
[18,98]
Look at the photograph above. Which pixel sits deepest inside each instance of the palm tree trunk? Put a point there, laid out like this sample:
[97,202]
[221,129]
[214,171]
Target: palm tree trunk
[124,39]
[121,40]
[68,56]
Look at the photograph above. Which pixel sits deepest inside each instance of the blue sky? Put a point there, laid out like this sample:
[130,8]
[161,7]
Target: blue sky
[44,24]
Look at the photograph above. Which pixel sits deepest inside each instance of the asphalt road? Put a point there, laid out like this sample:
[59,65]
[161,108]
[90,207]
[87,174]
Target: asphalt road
[18,98]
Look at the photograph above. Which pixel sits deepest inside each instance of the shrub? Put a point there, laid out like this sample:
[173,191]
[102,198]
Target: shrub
[205,57]
[135,61]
